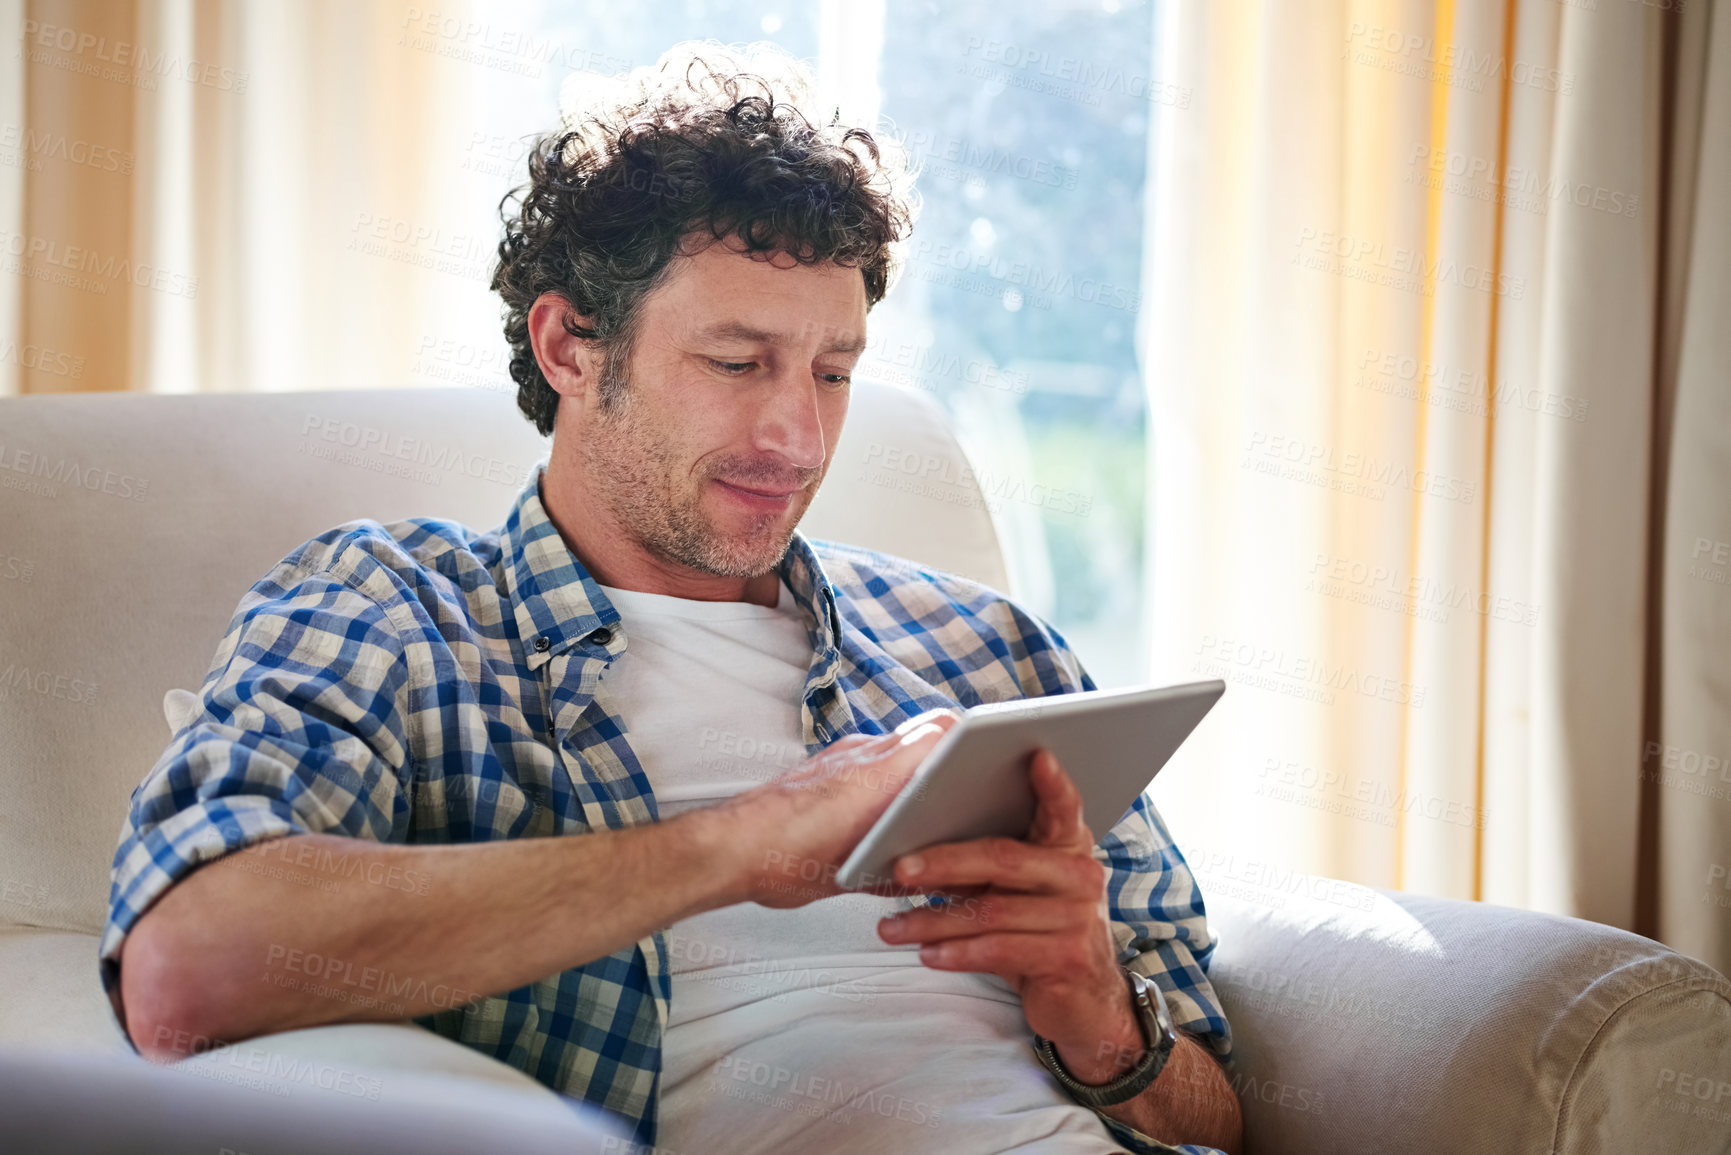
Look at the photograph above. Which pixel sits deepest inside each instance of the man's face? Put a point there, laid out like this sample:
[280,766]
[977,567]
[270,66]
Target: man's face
[723,425]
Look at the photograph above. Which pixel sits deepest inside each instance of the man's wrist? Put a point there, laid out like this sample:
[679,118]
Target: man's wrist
[720,858]
[1112,1052]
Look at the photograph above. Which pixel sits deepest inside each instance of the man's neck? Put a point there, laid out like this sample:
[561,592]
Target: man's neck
[614,558]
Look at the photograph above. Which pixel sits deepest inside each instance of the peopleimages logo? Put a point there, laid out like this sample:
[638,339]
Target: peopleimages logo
[1704,1096]
[353,868]
[1073,77]
[1269,668]
[28,143]
[122,61]
[1463,390]
[1364,798]
[1384,586]
[1042,283]
[1398,266]
[1295,459]
[87,270]
[440,459]
[1477,174]
[947,156]
[1416,55]
[727,968]
[277,1071]
[15,678]
[341,979]
[43,360]
[48,474]
[797,1091]
[457,36]
[941,477]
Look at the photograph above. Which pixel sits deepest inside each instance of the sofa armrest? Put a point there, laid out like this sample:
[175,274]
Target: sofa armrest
[1390,1022]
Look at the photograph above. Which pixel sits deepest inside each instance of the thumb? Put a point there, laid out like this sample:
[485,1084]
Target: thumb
[1058,811]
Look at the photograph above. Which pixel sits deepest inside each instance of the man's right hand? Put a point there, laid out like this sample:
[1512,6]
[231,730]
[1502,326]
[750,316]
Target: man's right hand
[223,953]
[792,835]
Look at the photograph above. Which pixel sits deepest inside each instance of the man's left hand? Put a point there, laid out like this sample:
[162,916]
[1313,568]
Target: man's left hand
[1035,914]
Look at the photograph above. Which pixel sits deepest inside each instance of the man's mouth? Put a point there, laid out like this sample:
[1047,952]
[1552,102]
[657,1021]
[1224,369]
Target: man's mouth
[758,497]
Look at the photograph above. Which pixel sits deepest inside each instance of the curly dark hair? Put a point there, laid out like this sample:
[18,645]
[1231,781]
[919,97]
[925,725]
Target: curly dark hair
[708,144]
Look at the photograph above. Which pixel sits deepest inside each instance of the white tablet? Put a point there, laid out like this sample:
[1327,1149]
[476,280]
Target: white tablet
[974,783]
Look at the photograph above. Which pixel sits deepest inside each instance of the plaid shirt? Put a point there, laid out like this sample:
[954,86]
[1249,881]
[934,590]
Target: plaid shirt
[422,683]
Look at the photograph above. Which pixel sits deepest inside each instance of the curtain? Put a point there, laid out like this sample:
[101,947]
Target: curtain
[1687,752]
[1438,381]
[206,196]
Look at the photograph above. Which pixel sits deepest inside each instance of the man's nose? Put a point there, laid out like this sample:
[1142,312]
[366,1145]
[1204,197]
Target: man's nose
[789,423]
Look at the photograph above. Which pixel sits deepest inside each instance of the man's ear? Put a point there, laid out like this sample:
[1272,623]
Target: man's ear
[572,365]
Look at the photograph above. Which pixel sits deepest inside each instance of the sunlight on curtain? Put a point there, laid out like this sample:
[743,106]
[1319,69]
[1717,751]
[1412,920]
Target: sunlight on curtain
[1401,378]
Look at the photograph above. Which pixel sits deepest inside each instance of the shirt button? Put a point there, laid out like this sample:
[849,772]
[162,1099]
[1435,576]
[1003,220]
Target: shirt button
[543,644]
[601,636]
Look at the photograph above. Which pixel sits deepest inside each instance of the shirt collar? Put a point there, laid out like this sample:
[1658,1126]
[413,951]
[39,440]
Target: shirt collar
[553,596]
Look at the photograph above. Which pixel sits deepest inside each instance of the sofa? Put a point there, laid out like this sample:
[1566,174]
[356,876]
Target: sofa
[130,526]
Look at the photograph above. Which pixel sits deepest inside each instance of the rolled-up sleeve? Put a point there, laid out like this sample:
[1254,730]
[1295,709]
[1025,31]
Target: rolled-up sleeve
[1160,924]
[300,728]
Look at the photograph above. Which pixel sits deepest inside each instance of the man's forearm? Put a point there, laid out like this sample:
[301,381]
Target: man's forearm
[319,928]
[1191,1102]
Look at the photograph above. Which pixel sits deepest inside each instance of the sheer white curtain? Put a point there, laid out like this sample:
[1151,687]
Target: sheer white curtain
[1410,362]
[1688,754]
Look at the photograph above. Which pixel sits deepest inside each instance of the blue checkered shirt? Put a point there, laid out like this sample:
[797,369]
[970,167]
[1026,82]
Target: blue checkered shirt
[422,683]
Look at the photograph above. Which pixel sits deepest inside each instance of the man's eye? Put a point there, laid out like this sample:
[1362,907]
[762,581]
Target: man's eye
[733,368]
[835,379]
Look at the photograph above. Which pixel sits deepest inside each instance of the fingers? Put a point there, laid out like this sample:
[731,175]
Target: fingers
[891,767]
[818,811]
[922,728]
[972,916]
[913,742]
[1004,863]
[848,750]
[1010,955]
[913,729]
[943,719]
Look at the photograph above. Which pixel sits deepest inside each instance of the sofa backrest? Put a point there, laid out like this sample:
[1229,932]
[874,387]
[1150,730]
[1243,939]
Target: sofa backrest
[131,525]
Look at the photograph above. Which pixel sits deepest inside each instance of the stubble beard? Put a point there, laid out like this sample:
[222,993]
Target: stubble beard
[638,476]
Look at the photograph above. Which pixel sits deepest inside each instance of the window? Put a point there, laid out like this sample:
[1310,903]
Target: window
[1018,308]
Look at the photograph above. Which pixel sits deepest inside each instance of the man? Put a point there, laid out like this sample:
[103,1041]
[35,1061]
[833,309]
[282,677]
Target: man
[401,718]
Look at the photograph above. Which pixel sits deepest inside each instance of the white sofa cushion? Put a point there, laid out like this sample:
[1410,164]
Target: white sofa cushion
[53,999]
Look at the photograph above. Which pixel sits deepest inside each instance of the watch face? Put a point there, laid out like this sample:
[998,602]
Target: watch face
[1149,993]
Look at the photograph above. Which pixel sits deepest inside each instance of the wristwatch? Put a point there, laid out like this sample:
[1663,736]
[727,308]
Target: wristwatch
[1159,1037]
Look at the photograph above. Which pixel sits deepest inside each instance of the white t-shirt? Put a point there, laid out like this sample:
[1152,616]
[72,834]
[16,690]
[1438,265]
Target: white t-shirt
[801,1030]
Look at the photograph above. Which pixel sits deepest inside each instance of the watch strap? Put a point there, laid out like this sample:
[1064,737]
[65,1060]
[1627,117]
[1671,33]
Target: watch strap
[1159,1038]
